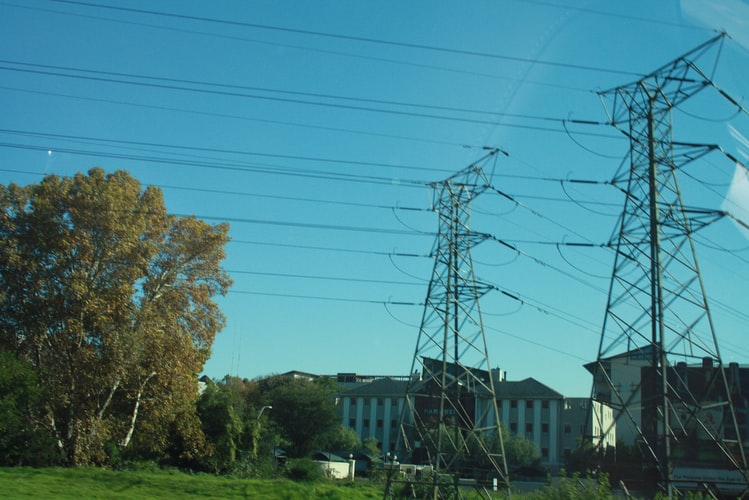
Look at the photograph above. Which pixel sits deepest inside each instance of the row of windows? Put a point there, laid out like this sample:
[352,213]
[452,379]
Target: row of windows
[528,428]
[365,423]
[380,401]
[513,426]
[568,428]
[528,403]
[513,402]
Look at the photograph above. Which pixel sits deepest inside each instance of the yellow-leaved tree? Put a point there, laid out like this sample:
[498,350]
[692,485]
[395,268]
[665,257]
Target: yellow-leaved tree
[110,299]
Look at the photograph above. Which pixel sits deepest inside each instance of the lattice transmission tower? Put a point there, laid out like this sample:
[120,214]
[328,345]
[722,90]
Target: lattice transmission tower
[659,366]
[450,419]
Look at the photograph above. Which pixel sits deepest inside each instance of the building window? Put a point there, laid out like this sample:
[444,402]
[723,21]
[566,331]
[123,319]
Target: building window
[394,402]
[353,401]
[545,453]
[380,401]
[545,428]
[352,422]
[528,427]
[379,423]
[513,403]
[545,404]
[568,428]
[393,423]
[529,404]
[366,423]
[513,428]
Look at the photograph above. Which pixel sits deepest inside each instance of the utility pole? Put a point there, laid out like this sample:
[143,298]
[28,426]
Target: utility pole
[659,365]
[451,419]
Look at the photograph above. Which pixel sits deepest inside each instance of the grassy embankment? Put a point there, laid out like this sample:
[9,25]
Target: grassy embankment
[85,483]
[89,482]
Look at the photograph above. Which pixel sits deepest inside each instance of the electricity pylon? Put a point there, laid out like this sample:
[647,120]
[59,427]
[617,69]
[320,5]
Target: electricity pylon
[659,365]
[451,420]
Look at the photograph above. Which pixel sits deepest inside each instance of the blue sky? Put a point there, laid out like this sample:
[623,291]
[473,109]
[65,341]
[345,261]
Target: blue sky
[315,127]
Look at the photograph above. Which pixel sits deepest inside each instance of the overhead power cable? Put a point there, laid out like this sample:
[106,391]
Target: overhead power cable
[330,249]
[307,48]
[352,38]
[326,278]
[316,174]
[525,339]
[185,147]
[309,225]
[294,198]
[231,88]
[614,15]
[232,93]
[243,117]
[327,298]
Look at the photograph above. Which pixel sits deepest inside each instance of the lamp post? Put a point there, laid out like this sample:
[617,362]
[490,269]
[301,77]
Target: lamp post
[260,414]
[257,438]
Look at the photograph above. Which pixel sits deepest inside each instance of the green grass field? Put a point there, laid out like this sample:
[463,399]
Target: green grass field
[84,483]
[90,482]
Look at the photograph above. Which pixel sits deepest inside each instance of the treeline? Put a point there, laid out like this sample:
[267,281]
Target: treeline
[236,425]
[107,318]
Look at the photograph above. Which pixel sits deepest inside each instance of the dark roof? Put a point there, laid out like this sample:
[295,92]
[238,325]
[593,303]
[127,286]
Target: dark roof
[298,374]
[640,354]
[529,388]
[326,456]
[383,387]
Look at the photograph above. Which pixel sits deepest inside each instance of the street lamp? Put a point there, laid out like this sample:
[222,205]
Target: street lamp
[262,410]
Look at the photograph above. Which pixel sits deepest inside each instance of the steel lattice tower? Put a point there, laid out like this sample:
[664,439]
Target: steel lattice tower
[450,419]
[679,401]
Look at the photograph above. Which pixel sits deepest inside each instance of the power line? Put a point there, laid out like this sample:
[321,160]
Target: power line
[295,198]
[353,38]
[347,162]
[330,249]
[325,175]
[307,48]
[245,118]
[310,225]
[412,114]
[185,147]
[326,298]
[618,16]
[326,278]
[230,88]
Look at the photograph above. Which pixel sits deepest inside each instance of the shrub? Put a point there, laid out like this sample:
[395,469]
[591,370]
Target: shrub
[304,469]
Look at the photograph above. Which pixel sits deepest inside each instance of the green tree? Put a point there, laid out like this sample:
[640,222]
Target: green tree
[23,440]
[338,438]
[519,450]
[230,419]
[472,448]
[302,411]
[110,300]
[371,446]
[222,425]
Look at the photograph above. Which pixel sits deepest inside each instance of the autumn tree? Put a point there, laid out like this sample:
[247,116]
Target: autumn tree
[110,299]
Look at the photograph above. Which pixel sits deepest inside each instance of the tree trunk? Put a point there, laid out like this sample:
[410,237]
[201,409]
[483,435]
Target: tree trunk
[134,416]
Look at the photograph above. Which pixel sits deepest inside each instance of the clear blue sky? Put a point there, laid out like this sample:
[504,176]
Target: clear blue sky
[313,128]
